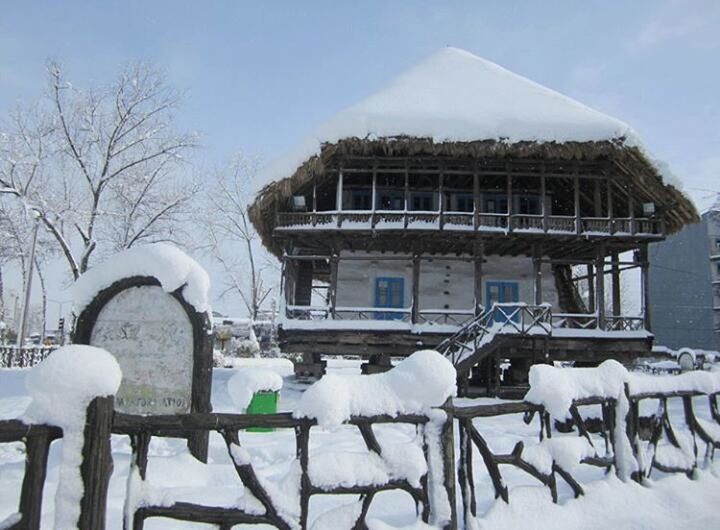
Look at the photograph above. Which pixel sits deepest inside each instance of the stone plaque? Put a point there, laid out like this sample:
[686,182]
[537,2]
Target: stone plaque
[150,334]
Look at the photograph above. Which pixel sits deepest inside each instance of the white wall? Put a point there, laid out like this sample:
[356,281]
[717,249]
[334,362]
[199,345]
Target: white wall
[442,282]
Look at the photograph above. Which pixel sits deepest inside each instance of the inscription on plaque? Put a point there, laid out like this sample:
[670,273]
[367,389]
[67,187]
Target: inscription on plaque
[150,334]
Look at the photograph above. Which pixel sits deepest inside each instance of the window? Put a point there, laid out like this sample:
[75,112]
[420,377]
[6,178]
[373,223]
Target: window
[422,201]
[389,292]
[360,200]
[461,202]
[495,203]
[717,244]
[528,204]
[390,200]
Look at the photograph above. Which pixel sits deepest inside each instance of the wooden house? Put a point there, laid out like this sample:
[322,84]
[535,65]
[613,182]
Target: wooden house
[465,208]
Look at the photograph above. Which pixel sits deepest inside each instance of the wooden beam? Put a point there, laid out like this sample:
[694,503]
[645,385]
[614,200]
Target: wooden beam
[476,200]
[441,197]
[600,285]
[576,199]
[645,283]
[479,251]
[415,308]
[543,198]
[591,285]
[338,197]
[537,272]
[509,197]
[332,291]
[616,301]
[373,197]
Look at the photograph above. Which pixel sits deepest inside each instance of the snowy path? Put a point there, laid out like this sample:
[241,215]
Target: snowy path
[669,502]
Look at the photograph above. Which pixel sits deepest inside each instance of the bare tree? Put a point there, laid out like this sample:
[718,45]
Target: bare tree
[232,240]
[109,160]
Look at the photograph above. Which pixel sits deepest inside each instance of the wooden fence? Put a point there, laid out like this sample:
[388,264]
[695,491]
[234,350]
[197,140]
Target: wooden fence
[648,436]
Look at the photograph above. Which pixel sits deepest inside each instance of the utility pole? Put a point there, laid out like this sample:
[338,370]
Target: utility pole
[28,286]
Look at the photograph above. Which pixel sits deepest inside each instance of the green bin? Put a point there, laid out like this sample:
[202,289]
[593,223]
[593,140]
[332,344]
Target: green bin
[263,402]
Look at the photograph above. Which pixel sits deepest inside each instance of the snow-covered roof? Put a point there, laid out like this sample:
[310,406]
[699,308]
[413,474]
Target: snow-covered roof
[456,104]
[456,96]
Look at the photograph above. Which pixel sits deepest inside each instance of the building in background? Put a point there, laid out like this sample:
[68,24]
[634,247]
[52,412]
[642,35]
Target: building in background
[685,287]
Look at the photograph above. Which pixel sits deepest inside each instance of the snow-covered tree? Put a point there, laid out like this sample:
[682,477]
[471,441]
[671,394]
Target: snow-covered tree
[232,239]
[101,167]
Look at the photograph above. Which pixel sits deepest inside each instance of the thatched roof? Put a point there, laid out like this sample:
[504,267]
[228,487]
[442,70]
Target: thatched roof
[640,172]
[455,104]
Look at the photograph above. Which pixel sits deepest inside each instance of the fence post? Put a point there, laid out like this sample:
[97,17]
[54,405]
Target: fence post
[447,442]
[37,448]
[97,464]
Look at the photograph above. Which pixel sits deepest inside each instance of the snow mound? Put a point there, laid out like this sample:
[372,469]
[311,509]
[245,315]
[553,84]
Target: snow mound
[456,96]
[566,452]
[556,388]
[243,385]
[424,380]
[169,265]
[64,384]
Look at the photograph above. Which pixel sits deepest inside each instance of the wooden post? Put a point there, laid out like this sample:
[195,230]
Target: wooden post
[543,198]
[578,224]
[600,285]
[415,308]
[97,464]
[441,197]
[406,193]
[447,442]
[645,282]
[338,198]
[476,200]
[36,457]
[537,272]
[302,447]
[611,221]
[631,212]
[509,198]
[478,262]
[616,301]
[591,286]
[373,196]
[334,262]
[314,204]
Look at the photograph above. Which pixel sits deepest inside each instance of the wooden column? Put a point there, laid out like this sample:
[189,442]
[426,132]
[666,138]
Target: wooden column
[543,198]
[415,308]
[476,200]
[537,273]
[611,221]
[338,197]
[373,196]
[478,257]
[578,225]
[334,262]
[615,268]
[509,198]
[645,283]
[600,285]
[406,193]
[631,211]
[441,197]
[314,205]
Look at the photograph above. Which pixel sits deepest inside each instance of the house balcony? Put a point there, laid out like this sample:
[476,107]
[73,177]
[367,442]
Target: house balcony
[372,330]
[360,220]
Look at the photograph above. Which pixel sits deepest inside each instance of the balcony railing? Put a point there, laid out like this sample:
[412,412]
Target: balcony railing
[519,316]
[482,222]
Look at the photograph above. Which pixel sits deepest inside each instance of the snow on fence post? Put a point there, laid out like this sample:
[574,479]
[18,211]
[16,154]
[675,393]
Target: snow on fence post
[74,389]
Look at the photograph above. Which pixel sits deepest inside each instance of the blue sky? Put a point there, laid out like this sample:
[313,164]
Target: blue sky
[259,75]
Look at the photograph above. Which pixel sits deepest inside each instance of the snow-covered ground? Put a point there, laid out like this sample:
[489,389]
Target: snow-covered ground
[665,502]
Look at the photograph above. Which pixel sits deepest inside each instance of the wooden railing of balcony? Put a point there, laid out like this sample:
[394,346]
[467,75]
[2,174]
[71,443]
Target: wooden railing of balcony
[481,222]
